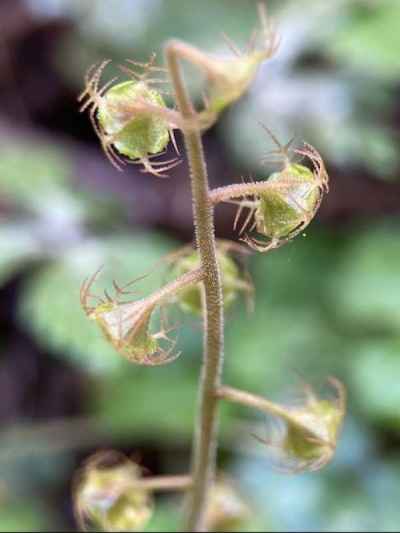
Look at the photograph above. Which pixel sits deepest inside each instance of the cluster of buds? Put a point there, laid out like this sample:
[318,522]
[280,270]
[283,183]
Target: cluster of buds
[108,495]
[127,325]
[235,278]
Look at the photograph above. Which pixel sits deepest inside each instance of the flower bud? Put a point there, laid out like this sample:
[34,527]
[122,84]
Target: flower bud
[234,282]
[288,203]
[226,510]
[229,79]
[130,118]
[307,436]
[127,325]
[108,496]
[280,212]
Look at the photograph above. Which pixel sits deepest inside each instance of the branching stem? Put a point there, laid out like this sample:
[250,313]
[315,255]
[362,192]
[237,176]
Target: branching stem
[204,452]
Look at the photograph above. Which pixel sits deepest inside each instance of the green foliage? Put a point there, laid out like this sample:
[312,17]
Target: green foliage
[368,39]
[17,248]
[24,516]
[365,289]
[32,175]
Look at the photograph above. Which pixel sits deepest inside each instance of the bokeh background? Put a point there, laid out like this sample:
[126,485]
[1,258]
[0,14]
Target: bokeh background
[326,304]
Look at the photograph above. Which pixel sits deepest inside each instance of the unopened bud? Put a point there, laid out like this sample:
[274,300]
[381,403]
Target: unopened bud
[108,497]
[280,212]
[234,281]
[128,118]
[127,325]
[226,509]
[230,78]
[307,437]
[287,205]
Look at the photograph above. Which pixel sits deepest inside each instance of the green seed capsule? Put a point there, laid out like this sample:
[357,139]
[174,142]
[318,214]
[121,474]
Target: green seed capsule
[226,510]
[127,325]
[316,438]
[134,134]
[108,498]
[231,80]
[233,282]
[280,212]
[307,435]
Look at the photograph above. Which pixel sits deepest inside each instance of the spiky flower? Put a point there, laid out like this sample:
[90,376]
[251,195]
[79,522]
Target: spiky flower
[130,118]
[306,436]
[108,495]
[235,280]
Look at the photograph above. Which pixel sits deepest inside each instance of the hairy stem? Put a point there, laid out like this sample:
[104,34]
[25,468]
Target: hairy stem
[252,400]
[240,190]
[172,288]
[262,404]
[204,451]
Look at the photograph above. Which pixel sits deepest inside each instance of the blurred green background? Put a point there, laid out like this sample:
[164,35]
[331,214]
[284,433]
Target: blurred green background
[326,304]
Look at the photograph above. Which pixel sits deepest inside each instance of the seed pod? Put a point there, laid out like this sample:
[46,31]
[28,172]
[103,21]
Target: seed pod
[229,79]
[287,204]
[127,325]
[234,281]
[226,509]
[307,435]
[280,212]
[108,495]
[130,118]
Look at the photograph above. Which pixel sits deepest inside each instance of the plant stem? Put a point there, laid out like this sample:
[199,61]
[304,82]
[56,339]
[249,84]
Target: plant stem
[204,451]
[266,406]
[240,190]
[165,483]
[252,400]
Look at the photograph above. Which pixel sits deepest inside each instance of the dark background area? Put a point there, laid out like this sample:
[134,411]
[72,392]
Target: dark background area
[326,304]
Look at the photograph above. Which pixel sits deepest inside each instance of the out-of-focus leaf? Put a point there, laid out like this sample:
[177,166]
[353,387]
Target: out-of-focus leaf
[148,402]
[290,332]
[166,518]
[50,305]
[23,516]
[29,175]
[17,247]
[366,288]
[375,371]
[369,40]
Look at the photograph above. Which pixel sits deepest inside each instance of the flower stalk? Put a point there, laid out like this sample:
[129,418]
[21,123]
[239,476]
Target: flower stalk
[204,453]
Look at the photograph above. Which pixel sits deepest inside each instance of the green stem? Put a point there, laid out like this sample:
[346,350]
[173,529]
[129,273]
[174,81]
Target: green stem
[205,442]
